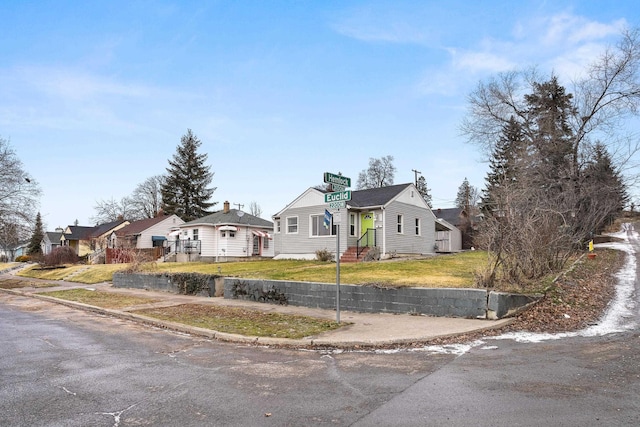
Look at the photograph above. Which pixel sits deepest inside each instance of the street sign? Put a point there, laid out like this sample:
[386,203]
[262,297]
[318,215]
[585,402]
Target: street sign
[339,180]
[337,205]
[336,187]
[337,196]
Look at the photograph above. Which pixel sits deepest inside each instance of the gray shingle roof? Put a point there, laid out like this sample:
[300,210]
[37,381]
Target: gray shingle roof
[375,196]
[231,217]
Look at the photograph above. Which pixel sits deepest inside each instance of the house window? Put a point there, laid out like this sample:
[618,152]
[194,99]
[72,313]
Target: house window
[352,224]
[318,228]
[400,224]
[228,233]
[195,234]
[292,225]
[265,242]
[417,226]
[278,226]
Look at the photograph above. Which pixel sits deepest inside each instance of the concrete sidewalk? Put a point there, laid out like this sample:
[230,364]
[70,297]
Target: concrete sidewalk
[362,329]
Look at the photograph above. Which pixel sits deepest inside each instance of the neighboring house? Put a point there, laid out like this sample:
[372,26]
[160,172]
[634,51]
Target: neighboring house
[224,235]
[50,241]
[145,233]
[395,219]
[149,238]
[467,224]
[89,240]
[10,253]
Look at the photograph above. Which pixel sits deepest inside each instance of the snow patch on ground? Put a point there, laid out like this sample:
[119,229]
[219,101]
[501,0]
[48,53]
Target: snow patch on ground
[621,315]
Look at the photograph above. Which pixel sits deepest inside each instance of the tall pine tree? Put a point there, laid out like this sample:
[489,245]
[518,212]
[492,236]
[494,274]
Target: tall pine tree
[34,248]
[505,162]
[421,185]
[186,191]
[603,192]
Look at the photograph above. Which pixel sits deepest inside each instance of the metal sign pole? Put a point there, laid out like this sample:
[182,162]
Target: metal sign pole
[338,272]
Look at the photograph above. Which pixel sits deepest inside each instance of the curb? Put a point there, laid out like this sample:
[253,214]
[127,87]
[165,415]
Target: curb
[209,333]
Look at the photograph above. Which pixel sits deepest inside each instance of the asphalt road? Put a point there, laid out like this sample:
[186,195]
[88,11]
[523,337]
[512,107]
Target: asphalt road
[63,367]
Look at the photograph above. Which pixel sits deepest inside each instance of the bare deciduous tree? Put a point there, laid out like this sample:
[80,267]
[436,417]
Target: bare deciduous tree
[112,210]
[380,173]
[146,199]
[255,209]
[19,194]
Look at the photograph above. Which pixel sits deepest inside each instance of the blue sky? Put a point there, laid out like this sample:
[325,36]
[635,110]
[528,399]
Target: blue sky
[94,96]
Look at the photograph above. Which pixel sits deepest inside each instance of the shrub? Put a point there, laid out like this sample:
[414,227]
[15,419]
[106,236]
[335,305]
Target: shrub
[23,258]
[324,255]
[60,255]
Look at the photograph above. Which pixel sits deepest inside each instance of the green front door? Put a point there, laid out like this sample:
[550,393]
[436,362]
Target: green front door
[366,224]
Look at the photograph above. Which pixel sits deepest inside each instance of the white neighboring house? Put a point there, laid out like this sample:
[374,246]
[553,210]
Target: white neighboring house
[223,236]
[395,219]
[146,233]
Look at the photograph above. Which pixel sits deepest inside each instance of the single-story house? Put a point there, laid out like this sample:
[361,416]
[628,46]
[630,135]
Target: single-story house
[50,241]
[224,235]
[11,252]
[88,240]
[395,219]
[146,233]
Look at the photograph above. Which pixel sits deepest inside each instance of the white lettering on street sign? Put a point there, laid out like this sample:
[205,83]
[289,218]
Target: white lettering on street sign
[340,180]
[337,205]
[337,196]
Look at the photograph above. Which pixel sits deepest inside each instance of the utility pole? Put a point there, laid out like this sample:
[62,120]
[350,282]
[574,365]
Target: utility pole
[416,172]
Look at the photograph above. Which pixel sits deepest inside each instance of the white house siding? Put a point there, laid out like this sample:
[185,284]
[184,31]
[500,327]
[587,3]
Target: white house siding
[208,236]
[408,242]
[212,243]
[163,228]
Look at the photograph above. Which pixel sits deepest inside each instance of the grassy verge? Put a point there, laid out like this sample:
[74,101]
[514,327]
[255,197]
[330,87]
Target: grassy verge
[243,322]
[60,273]
[21,283]
[223,319]
[5,265]
[99,298]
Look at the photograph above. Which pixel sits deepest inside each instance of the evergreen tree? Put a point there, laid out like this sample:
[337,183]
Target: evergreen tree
[604,194]
[505,162]
[424,191]
[548,112]
[467,196]
[36,238]
[185,191]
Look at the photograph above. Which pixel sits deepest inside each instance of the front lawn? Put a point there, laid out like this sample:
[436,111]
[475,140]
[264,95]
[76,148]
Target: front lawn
[236,320]
[455,270]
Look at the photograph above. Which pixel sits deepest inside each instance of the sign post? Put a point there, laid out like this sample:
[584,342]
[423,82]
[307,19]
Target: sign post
[337,200]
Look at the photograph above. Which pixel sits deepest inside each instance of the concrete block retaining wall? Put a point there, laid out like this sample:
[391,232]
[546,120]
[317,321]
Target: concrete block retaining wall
[444,302]
[162,282]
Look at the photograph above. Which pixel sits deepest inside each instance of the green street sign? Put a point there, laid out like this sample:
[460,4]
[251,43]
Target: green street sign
[339,180]
[338,196]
